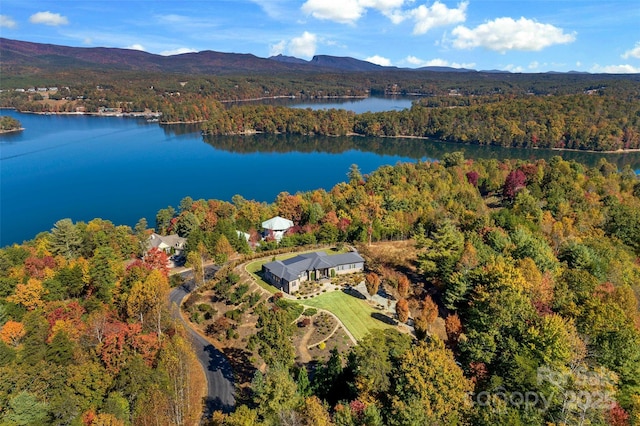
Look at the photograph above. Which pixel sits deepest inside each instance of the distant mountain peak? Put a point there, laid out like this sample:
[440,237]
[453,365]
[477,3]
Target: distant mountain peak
[345,63]
[288,59]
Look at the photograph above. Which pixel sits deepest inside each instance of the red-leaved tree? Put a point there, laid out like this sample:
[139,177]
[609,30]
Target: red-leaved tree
[157,259]
[515,181]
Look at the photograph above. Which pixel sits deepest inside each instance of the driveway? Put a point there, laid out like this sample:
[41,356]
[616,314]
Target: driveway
[220,389]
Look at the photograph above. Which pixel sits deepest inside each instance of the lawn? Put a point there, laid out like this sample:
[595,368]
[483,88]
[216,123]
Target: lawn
[354,313]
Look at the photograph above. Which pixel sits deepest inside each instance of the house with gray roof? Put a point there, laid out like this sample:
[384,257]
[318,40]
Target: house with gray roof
[170,244]
[288,274]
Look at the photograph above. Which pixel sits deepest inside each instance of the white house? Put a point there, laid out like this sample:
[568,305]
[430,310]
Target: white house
[288,274]
[278,226]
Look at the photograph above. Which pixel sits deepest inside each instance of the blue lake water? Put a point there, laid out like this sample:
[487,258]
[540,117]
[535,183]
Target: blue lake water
[122,169]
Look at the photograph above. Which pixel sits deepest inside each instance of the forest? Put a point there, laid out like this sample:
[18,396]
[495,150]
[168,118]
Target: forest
[86,337]
[533,267]
[577,122]
[8,124]
[564,111]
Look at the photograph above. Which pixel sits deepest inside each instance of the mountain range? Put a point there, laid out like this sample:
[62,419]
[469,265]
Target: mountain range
[16,55]
[19,56]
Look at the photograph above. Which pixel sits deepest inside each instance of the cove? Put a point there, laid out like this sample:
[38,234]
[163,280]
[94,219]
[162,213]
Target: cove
[122,169]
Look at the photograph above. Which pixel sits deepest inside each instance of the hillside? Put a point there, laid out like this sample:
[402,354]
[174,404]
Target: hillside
[17,56]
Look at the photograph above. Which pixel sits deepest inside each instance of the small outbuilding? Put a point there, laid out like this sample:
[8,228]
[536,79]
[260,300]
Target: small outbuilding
[276,226]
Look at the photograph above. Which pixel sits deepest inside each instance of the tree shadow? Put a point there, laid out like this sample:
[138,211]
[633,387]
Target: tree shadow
[243,368]
[384,318]
[354,293]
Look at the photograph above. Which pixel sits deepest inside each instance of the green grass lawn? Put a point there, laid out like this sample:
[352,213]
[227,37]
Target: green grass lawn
[354,313]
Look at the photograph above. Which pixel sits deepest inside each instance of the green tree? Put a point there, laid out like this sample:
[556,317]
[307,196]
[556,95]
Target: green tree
[142,236]
[26,409]
[60,350]
[195,261]
[440,252]
[103,273]
[275,394]
[34,346]
[354,175]
[65,239]
[373,361]
[428,381]
[242,416]
[118,406]
[274,338]
[328,380]
[163,220]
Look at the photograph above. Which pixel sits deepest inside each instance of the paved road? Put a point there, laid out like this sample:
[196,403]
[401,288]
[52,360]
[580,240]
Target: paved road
[220,389]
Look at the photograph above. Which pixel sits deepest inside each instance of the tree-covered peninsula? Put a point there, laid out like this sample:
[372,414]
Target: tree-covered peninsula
[9,124]
[579,122]
[516,287]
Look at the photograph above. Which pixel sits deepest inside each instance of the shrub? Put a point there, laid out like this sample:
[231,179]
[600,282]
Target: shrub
[233,314]
[231,334]
[196,317]
[253,299]
[322,346]
[309,312]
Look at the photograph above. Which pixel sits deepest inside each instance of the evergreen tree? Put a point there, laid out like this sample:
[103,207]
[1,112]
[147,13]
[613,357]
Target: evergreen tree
[60,350]
[65,239]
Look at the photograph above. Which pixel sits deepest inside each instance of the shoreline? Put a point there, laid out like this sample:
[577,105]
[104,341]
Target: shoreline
[617,152]
[263,98]
[3,132]
[157,115]
[100,114]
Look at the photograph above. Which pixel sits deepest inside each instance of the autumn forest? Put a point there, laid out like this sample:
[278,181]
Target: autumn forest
[532,266]
[516,283]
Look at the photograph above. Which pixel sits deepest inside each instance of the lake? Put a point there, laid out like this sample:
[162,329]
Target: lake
[122,169]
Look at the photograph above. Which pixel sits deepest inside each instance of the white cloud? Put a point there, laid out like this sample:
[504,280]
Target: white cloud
[178,51]
[632,53]
[379,60]
[615,69]
[437,62]
[437,15]
[304,46]
[278,48]
[136,46]
[504,34]
[342,11]
[514,68]
[183,23]
[48,18]
[349,11]
[274,8]
[534,65]
[7,22]
[414,60]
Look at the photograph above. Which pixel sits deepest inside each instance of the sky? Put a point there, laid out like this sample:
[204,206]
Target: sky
[518,36]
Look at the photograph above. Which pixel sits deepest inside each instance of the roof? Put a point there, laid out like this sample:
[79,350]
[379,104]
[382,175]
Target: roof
[277,223]
[290,269]
[166,241]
